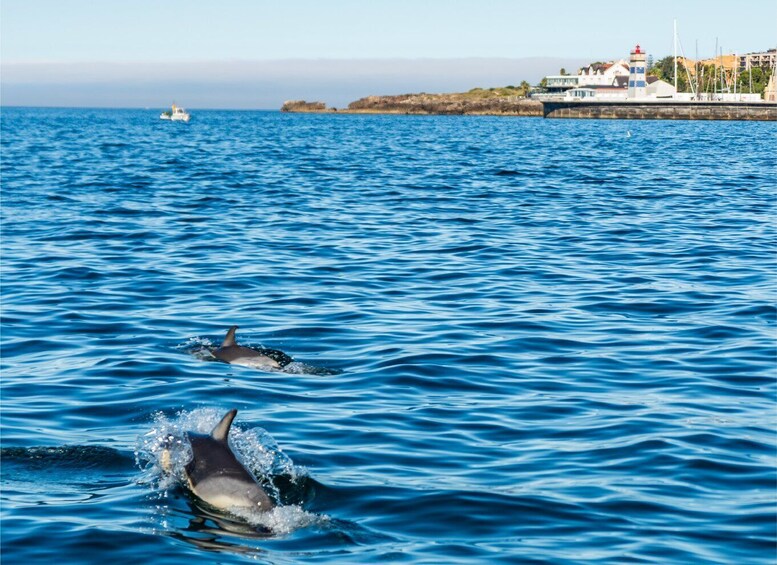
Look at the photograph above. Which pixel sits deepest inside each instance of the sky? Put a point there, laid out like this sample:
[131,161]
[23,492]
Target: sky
[258,53]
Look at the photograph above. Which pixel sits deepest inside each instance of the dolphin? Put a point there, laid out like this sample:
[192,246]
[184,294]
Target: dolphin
[231,352]
[216,476]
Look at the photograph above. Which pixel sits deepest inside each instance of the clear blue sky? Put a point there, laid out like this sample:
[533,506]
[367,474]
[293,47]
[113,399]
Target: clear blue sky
[164,30]
[149,34]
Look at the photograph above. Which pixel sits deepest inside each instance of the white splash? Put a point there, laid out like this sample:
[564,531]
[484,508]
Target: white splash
[163,452]
[199,347]
[281,520]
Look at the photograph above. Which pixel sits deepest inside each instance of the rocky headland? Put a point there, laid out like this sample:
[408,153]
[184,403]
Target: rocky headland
[508,101]
[303,106]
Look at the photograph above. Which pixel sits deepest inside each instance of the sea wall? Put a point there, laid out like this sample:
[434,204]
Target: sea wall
[754,111]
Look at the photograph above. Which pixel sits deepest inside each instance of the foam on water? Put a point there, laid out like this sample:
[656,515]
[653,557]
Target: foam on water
[281,520]
[200,347]
[163,452]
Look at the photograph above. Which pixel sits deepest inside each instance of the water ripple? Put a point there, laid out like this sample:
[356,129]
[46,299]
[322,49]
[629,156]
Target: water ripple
[513,340]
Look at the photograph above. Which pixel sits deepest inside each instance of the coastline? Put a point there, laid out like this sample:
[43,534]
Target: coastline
[470,104]
[475,102]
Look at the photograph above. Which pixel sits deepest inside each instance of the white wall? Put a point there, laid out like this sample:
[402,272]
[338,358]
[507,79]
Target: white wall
[660,89]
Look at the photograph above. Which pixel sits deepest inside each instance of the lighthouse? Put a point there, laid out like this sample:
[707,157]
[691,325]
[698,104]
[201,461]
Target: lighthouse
[637,81]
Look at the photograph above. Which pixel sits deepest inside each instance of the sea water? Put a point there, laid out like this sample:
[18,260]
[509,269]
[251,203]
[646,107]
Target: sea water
[515,340]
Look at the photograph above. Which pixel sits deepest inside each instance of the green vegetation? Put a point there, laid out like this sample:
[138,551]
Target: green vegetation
[522,90]
[664,70]
[709,77]
[756,77]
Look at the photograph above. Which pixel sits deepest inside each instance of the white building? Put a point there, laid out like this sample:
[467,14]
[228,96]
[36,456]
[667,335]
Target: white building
[602,74]
[617,81]
[657,88]
[619,90]
[560,83]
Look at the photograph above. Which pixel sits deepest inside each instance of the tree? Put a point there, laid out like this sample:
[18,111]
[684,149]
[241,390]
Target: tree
[563,72]
[664,70]
[755,77]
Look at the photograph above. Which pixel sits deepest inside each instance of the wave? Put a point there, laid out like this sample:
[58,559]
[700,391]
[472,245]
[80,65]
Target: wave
[64,457]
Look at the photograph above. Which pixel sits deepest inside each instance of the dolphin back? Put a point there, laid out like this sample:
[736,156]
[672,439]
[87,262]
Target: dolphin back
[216,476]
[239,355]
[221,431]
[229,339]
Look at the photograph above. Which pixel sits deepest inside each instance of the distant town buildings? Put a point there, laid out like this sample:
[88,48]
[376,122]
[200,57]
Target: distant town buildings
[597,74]
[603,74]
[629,81]
[654,89]
[766,60]
[556,84]
[619,80]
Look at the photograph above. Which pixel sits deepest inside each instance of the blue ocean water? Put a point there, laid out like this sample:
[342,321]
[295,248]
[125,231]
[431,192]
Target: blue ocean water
[515,340]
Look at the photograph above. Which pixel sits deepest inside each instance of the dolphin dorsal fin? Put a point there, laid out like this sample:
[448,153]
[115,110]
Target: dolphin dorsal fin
[229,340]
[221,431]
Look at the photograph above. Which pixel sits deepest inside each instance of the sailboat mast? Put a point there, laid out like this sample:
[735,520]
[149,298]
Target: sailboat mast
[750,73]
[696,69]
[675,55]
[715,78]
[736,64]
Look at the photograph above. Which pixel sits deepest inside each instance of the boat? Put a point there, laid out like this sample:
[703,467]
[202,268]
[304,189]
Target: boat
[177,114]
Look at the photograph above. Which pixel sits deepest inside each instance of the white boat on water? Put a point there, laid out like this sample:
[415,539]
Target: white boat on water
[177,114]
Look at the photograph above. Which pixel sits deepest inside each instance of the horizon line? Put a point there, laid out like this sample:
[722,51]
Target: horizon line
[283,59]
[144,108]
